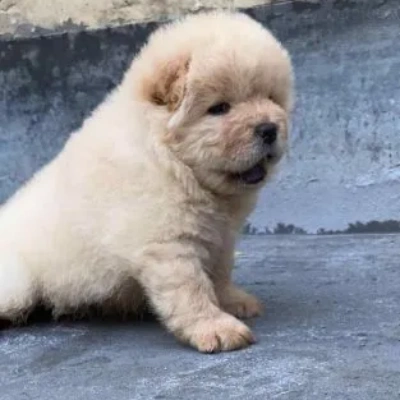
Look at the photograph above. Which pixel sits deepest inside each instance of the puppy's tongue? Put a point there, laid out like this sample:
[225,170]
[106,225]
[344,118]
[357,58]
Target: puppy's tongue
[253,175]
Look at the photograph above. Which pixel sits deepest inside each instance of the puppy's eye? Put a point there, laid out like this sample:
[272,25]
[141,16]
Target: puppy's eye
[219,109]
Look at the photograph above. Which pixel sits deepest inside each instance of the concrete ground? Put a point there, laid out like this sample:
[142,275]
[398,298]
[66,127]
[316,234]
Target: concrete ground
[332,332]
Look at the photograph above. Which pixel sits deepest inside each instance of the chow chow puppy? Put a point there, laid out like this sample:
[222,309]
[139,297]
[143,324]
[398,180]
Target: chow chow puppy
[144,202]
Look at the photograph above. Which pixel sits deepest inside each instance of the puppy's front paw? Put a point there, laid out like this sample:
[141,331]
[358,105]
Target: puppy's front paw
[239,303]
[223,333]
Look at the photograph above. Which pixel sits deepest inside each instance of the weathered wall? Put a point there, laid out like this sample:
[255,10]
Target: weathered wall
[27,17]
[344,163]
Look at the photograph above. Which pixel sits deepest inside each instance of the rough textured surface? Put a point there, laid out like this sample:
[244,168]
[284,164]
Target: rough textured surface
[344,163]
[345,152]
[332,331]
[28,17]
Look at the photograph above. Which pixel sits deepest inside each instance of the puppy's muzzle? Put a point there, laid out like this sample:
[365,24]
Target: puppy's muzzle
[267,132]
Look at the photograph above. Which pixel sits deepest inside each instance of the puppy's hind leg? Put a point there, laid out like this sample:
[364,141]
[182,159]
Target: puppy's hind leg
[17,289]
[232,299]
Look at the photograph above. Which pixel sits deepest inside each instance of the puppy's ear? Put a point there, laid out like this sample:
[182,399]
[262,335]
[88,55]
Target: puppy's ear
[169,84]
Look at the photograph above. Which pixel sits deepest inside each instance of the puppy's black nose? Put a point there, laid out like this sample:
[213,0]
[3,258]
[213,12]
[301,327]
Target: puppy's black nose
[267,131]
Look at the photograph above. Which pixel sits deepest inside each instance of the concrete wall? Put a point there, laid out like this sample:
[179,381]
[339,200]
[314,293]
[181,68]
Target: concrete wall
[344,163]
[27,17]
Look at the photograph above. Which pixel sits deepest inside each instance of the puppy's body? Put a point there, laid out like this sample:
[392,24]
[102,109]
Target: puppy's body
[146,199]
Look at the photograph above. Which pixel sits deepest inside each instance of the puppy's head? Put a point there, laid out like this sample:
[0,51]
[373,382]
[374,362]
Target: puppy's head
[219,85]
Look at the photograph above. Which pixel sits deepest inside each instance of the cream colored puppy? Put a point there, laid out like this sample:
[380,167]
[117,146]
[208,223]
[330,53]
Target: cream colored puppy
[145,200]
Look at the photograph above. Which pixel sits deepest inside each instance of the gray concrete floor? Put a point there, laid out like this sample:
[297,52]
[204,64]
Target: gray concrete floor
[332,331]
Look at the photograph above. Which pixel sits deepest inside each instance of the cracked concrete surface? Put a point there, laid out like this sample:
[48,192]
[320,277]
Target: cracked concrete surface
[332,331]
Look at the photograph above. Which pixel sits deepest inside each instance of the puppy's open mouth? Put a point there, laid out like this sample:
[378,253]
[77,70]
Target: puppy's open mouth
[254,175]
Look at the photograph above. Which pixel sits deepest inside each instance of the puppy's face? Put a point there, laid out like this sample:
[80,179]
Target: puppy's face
[227,108]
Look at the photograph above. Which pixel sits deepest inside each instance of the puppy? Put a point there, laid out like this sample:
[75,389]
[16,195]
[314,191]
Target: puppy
[146,198]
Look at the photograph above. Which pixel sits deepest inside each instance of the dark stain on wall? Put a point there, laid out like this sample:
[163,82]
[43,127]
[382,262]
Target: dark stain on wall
[389,226]
[280,229]
[49,84]
[371,227]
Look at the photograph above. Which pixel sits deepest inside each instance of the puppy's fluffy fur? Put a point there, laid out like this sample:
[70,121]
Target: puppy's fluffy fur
[145,200]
